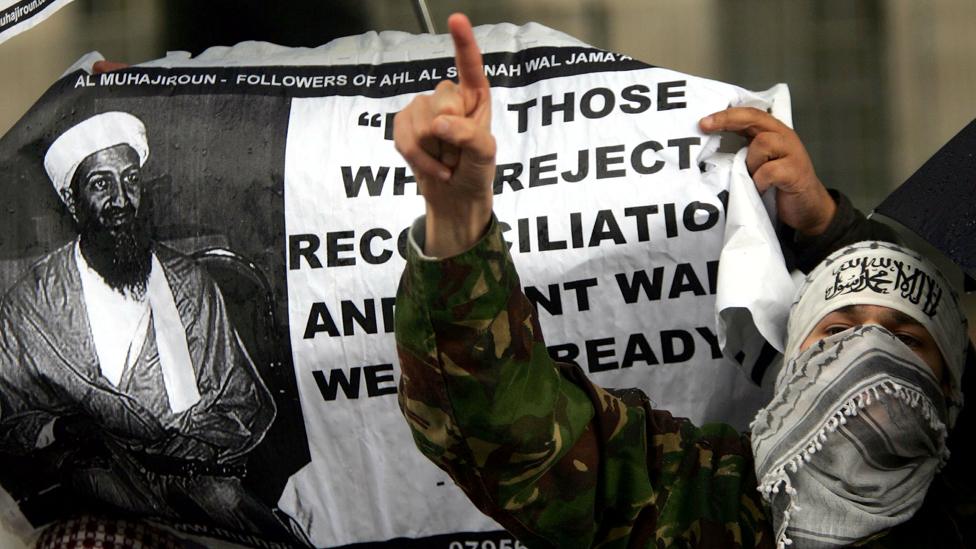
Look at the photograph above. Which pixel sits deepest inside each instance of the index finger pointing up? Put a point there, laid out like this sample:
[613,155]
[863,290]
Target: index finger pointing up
[467,56]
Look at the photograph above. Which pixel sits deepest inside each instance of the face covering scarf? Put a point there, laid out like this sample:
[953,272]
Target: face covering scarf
[887,275]
[851,441]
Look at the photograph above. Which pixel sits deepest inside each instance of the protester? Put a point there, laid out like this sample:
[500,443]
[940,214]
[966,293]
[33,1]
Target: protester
[844,453]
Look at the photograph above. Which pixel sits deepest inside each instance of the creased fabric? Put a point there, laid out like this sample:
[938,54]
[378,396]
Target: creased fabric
[174,354]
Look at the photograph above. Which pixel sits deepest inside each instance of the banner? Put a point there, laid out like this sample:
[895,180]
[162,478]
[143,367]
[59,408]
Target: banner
[199,260]
[16,16]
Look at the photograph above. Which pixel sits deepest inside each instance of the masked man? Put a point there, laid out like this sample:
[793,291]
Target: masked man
[844,453]
[117,359]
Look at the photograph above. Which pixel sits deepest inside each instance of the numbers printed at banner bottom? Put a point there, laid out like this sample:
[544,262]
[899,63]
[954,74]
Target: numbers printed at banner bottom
[487,544]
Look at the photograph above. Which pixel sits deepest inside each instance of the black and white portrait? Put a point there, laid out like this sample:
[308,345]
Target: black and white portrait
[122,370]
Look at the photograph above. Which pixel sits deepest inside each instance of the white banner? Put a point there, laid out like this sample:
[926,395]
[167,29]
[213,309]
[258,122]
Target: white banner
[614,203]
[17,16]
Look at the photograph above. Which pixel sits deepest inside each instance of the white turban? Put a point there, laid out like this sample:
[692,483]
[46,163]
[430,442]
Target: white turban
[885,274]
[86,138]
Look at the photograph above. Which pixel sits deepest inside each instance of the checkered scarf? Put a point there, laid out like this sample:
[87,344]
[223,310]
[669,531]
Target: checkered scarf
[851,441]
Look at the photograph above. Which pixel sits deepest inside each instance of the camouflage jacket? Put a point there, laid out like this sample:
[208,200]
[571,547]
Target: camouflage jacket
[558,461]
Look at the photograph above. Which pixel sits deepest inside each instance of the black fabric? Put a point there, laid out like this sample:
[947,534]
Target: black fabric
[847,227]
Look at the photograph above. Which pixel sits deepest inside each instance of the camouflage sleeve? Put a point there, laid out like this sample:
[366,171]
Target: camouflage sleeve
[558,461]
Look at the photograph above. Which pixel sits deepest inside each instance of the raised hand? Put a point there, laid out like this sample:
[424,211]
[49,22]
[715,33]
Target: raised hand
[777,158]
[446,138]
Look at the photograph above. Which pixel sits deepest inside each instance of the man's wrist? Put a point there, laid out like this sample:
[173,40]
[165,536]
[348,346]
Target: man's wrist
[827,209]
[452,233]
